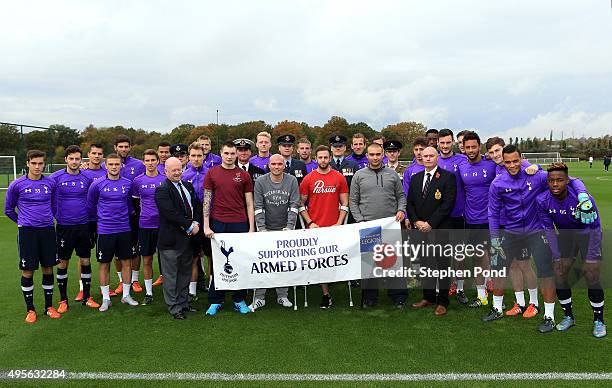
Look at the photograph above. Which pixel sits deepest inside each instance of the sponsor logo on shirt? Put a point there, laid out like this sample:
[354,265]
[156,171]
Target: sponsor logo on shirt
[319,188]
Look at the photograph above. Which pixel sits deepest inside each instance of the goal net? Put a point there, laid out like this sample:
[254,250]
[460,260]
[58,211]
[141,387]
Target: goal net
[8,171]
[542,157]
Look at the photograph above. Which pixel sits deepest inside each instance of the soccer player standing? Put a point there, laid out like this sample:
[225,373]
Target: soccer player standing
[326,192]
[476,178]
[263,142]
[163,151]
[358,144]
[110,199]
[143,189]
[304,150]
[32,195]
[558,208]
[418,145]
[228,208]
[195,175]
[73,229]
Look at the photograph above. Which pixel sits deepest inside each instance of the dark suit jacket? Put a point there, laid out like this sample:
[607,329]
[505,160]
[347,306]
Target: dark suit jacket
[434,211]
[297,168]
[347,168]
[173,217]
[255,172]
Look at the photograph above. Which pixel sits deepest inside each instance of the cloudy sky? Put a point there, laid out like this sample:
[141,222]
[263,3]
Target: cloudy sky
[501,67]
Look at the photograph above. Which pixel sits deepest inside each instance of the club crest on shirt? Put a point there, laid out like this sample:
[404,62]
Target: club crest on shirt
[237,178]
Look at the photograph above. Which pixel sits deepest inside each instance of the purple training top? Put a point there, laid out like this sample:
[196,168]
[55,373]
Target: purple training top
[143,187]
[515,196]
[476,179]
[94,175]
[34,201]
[110,202]
[361,160]
[452,164]
[71,198]
[414,168]
[195,176]
[260,161]
[311,166]
[559,213]
[130,168]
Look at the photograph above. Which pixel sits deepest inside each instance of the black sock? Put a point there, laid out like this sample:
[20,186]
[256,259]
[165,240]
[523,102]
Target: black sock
[565,299]
[86,280]
[62,282]
[27,287]
[47,283]
[596,296]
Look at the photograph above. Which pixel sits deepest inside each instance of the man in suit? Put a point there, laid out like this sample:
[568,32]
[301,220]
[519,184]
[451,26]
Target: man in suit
[431,198]
[294,167]
[244,150]
[339,162]
[180,217]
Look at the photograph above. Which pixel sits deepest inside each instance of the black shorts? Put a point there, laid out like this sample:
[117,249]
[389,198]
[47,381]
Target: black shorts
[525,246]
[147,241]
[197,243]
[134,234]
[571,242]
[73,238]
[93,231]
[37,246]
[114,245]
[477,234]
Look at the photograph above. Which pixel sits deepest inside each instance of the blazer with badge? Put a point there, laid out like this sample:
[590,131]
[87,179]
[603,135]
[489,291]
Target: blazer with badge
[437,205]
[173,217]
[347,168]
[297,168]
[254,171]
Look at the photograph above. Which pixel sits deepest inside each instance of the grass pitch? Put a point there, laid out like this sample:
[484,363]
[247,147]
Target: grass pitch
[275,340]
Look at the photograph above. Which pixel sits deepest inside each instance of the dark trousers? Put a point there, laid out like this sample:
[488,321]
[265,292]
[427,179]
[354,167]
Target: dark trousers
[218,296]
[176,267]
[435,261]
[398,294]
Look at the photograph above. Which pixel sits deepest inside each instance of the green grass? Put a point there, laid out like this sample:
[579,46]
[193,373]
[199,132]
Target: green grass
[274,340]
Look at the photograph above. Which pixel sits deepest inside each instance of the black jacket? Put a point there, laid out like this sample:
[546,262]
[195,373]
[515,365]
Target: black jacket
[436,207]
[297,168]
[347,168]
[173,217]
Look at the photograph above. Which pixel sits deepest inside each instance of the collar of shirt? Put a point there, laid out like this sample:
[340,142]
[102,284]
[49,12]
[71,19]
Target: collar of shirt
[244,167]
[432,173]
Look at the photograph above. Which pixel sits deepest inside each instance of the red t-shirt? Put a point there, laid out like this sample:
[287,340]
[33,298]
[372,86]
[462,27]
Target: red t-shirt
[323,192]
[228,187]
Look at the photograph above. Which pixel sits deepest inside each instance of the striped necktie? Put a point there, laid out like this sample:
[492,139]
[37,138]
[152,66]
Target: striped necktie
[426,187]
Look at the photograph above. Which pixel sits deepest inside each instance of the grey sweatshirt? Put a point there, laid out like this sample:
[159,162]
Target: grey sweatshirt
[376,194]
[276,204]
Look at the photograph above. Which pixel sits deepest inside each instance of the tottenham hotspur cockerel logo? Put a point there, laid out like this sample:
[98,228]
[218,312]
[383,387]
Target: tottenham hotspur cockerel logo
[227,267]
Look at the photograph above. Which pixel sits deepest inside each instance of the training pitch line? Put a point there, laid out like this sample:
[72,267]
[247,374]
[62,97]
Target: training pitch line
[340,377]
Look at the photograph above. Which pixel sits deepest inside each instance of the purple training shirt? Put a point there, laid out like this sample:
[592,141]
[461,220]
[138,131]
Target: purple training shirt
[34,200]
[110,202]
[143,187]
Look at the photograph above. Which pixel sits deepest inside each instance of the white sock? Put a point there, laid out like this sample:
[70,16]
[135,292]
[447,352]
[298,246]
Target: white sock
[105,292]
[193,288]
[80,285]
[520,298]
[119,276]
[460,284]
[481,291]
[549,310]
[498,301]
[126,289]
[149,286]
[134,276]
[533,296]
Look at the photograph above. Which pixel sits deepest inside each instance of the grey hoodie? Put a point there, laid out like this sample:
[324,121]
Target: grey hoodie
[276,204]
[376,194]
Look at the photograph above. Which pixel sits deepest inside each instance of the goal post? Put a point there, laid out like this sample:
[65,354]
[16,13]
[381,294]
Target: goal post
[8,171]
[542,157]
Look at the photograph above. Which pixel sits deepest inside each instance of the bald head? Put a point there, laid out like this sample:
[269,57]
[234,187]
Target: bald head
[276,165]
[430,158]
[174,169]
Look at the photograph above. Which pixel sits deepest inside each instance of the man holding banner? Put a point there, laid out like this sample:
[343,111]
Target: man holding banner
[231,211]
[326,192]
[276,198]
[377,192]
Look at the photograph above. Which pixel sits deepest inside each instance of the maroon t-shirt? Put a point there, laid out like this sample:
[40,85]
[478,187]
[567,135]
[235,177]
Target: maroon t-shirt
[228,187]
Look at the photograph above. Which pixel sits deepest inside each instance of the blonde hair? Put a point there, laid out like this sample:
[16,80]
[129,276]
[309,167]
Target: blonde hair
[264,134]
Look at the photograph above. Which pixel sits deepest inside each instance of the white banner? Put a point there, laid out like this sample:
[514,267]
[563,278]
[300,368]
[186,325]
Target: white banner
[300,257]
